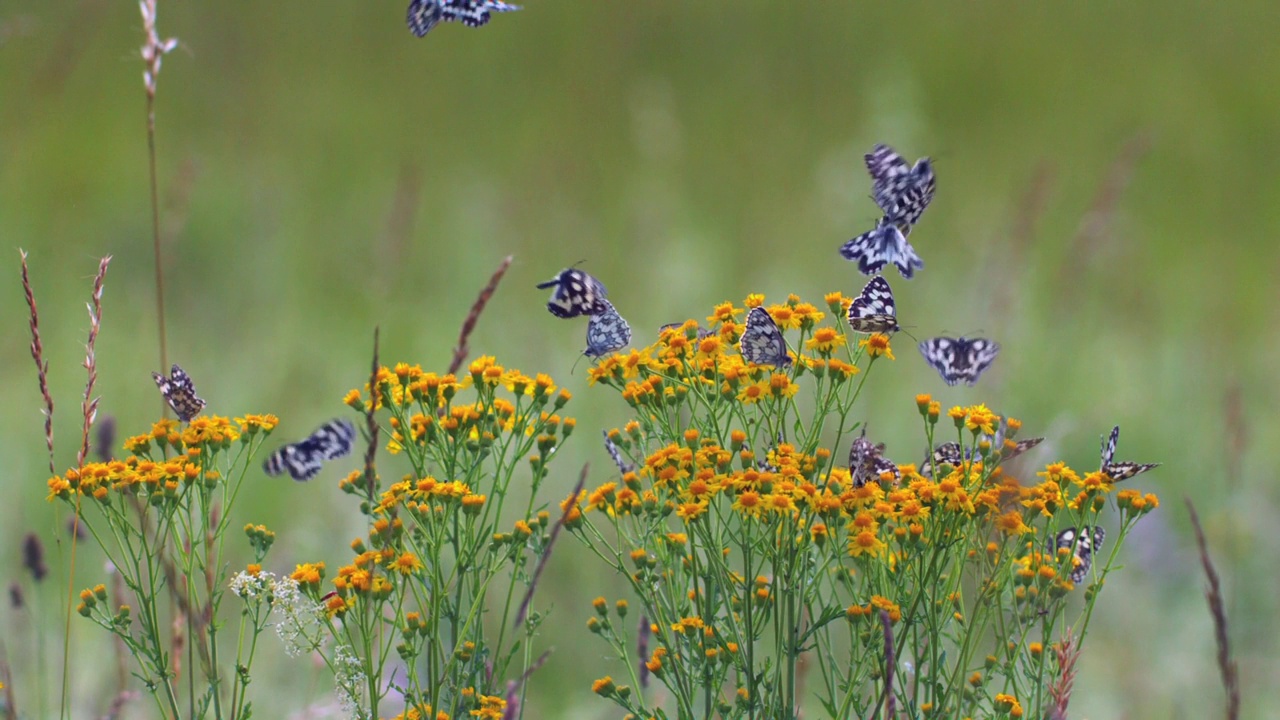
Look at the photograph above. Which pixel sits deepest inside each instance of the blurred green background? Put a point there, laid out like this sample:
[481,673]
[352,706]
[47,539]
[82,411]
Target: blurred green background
[1108,208]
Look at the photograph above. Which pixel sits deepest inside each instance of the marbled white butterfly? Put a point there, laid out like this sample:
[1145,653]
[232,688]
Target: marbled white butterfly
[180,393]
[615,454]
[304,459]
[885,244]
[762,341]
[873,310]
[426,14]
[1124,469]
[950,454]
[902,192]
[576,293]
[606,332]
[1085,540]
[958,359]
[867,462]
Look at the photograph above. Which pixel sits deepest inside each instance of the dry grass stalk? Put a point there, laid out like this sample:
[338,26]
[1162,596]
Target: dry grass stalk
[570,506]
[1067,652]
[153,51]
[1095,227]
[514,687]
[122,698]
[89,405]
[1217,608]
[42,365]
[6,678]
[460,352]
[890,703]
[643,634]
[371,424]
[400,221]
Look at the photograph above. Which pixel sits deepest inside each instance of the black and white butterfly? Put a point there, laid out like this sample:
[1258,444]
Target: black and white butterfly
[180,393]
[959,359]
[1085,540]
[951,454]
[902,192]
[606,332]
[1124,469]
[576,293]
[867,462]
[426,14]
[303,459]
[615,454]
[873,310]
[762,342]
[762,462]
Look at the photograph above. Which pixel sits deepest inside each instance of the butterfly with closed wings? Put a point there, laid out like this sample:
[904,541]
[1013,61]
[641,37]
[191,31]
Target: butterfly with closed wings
[1086,540]
[762,342]
[576,293]
[867,462]
[902,192]
[1124,469]
[959,359]
[303,459]
[615,454]
[179,392]
[426,14]
[606,332]
[873,311]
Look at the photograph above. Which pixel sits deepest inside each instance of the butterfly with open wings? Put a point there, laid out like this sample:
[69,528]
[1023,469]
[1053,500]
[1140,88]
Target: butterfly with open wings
[303,459]
[902,192]
[426,14]
[959,359]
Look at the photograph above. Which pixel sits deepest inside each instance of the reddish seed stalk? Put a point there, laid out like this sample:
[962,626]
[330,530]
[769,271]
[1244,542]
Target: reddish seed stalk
[1217,608]
[370,452]
[546,553]
[890,704]
[42,366]
[89,405]
[1068,652]
[460,352]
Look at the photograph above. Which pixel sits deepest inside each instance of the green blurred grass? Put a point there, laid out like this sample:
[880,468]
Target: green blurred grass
[690,153]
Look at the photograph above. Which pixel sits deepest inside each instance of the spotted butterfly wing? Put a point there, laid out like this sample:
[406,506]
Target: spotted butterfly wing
[944,454]
[179,392]
[1010,449]
[889,175]
[883,245]
[615,454]
[959,359]
[424,15]
[762,342]
[873,311]
[473,13]
[1085,540]
[867,462]
[606,332]
[1124,469]
[576,293]
[303,459]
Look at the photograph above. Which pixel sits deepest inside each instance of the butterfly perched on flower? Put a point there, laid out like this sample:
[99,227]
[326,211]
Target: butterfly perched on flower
[951,454]
[303,459]
[606,332]
[762,342]
[902,192]
[576,293]
[179,392]
[873,310]
[1124,469]
[1086,540]
[959,359]
[615,454]
[867,462]
[426,14]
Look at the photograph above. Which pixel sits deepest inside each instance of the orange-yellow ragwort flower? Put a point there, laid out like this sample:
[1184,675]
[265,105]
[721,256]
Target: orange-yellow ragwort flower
[877,345]
[824,341]
[981,419]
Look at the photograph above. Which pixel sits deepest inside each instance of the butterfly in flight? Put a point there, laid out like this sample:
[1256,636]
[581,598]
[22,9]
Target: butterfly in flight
[958,359]
[180,393]
[1086,540]
[303,459]
[615,454]
[902,192]
[873,310]
[606,332]
[426,14]
[762,341]
[1124,469]
[576,293]
[867,462]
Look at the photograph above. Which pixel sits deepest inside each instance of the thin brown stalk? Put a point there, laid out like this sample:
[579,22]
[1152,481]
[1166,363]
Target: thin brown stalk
[6,678]
[122,698]
[153,52]
[460,352]
[42,365]
[1096,225]
[371,424]
[401,219]
[1068,652]
[89,405]
[890,702]
[643,633]
[1226,664]
[546,552]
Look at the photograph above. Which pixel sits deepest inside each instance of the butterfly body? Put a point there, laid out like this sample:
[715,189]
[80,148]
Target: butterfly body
[1124,469]
[1085,541]
[303,459]
[762,342]
[180,392]
[426,14]
[576,293]
[607,332]
[959,359]
[873,311]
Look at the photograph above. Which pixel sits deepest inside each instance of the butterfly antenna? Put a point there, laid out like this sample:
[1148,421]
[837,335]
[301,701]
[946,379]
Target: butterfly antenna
[906,332]
[575,363]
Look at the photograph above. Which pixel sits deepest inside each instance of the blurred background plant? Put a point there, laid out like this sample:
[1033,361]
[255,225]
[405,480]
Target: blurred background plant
[1105,212]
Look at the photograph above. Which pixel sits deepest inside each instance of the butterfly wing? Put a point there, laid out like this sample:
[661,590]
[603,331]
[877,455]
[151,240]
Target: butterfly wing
[473,13]
[615,454]
[915,195]
[873,310]
[1085,540]
[944,454]
[424,15]
[889,173]
[959,359]
[884,244]
[576,293]
[180,392]
[607,332]
[304,459]
[762,342]
[1124,469]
